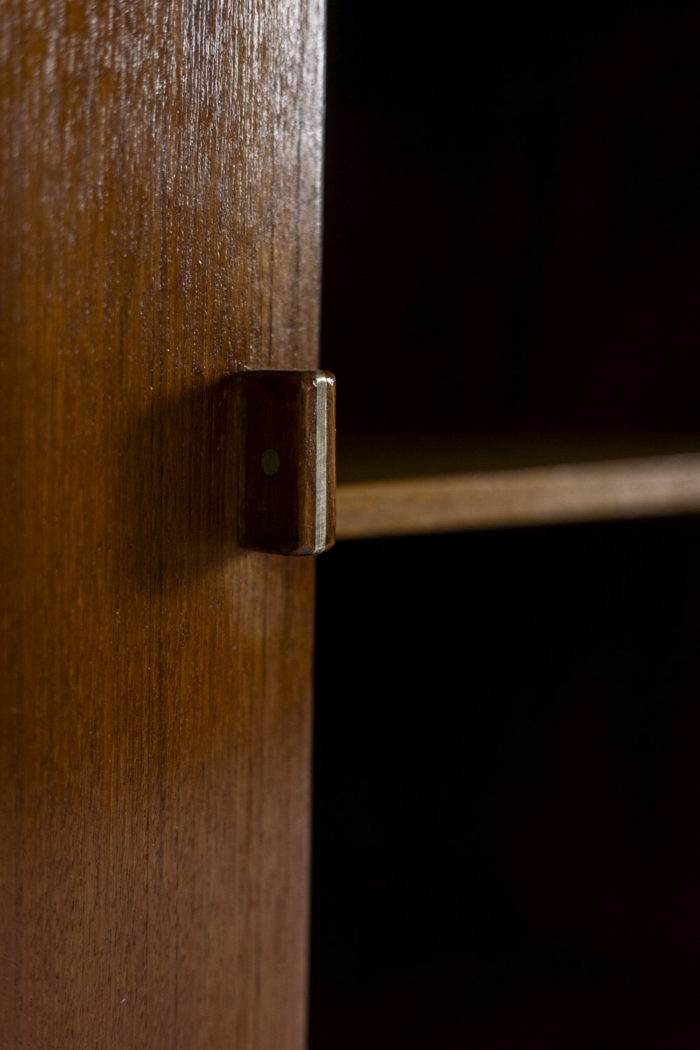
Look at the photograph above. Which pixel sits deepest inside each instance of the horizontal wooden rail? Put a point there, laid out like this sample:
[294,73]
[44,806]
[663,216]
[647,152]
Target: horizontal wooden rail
[533,496]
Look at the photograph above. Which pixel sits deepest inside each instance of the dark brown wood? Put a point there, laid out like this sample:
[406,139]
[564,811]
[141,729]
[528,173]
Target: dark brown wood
[571,492]
[375,457]
[159,201]
[285,488]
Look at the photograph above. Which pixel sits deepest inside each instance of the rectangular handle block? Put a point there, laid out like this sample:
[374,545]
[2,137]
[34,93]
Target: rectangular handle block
[286,457]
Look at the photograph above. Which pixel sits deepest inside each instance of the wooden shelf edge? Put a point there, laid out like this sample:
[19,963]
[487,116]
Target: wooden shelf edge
[577,492]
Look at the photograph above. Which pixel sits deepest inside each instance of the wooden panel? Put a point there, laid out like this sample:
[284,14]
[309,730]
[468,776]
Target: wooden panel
[376,457]
[160,230]
[533,496]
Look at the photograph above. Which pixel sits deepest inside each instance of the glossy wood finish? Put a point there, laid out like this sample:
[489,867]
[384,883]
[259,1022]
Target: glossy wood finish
[159,191]
[533,496]
[285,488]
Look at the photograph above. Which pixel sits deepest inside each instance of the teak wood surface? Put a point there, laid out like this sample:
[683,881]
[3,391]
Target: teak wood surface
[570,492]
[159,189]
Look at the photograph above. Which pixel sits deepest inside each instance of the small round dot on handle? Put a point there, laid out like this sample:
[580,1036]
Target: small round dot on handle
[270,462]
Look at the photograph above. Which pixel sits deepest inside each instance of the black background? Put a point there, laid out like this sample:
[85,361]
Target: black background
[506,835]
[512,220]
[506,832]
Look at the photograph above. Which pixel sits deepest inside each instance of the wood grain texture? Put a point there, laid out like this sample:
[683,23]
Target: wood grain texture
[159,194]
[532,496]
[377,456]
[285,488]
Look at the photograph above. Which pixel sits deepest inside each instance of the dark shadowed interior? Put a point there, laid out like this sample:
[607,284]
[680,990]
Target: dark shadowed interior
[507,726]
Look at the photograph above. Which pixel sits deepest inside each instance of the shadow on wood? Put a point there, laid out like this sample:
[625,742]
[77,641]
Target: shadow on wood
[176,487]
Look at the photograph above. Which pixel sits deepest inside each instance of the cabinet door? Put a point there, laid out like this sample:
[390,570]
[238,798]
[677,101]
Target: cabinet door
[159,189]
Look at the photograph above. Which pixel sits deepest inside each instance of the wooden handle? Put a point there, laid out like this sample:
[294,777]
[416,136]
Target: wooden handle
[286,460]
